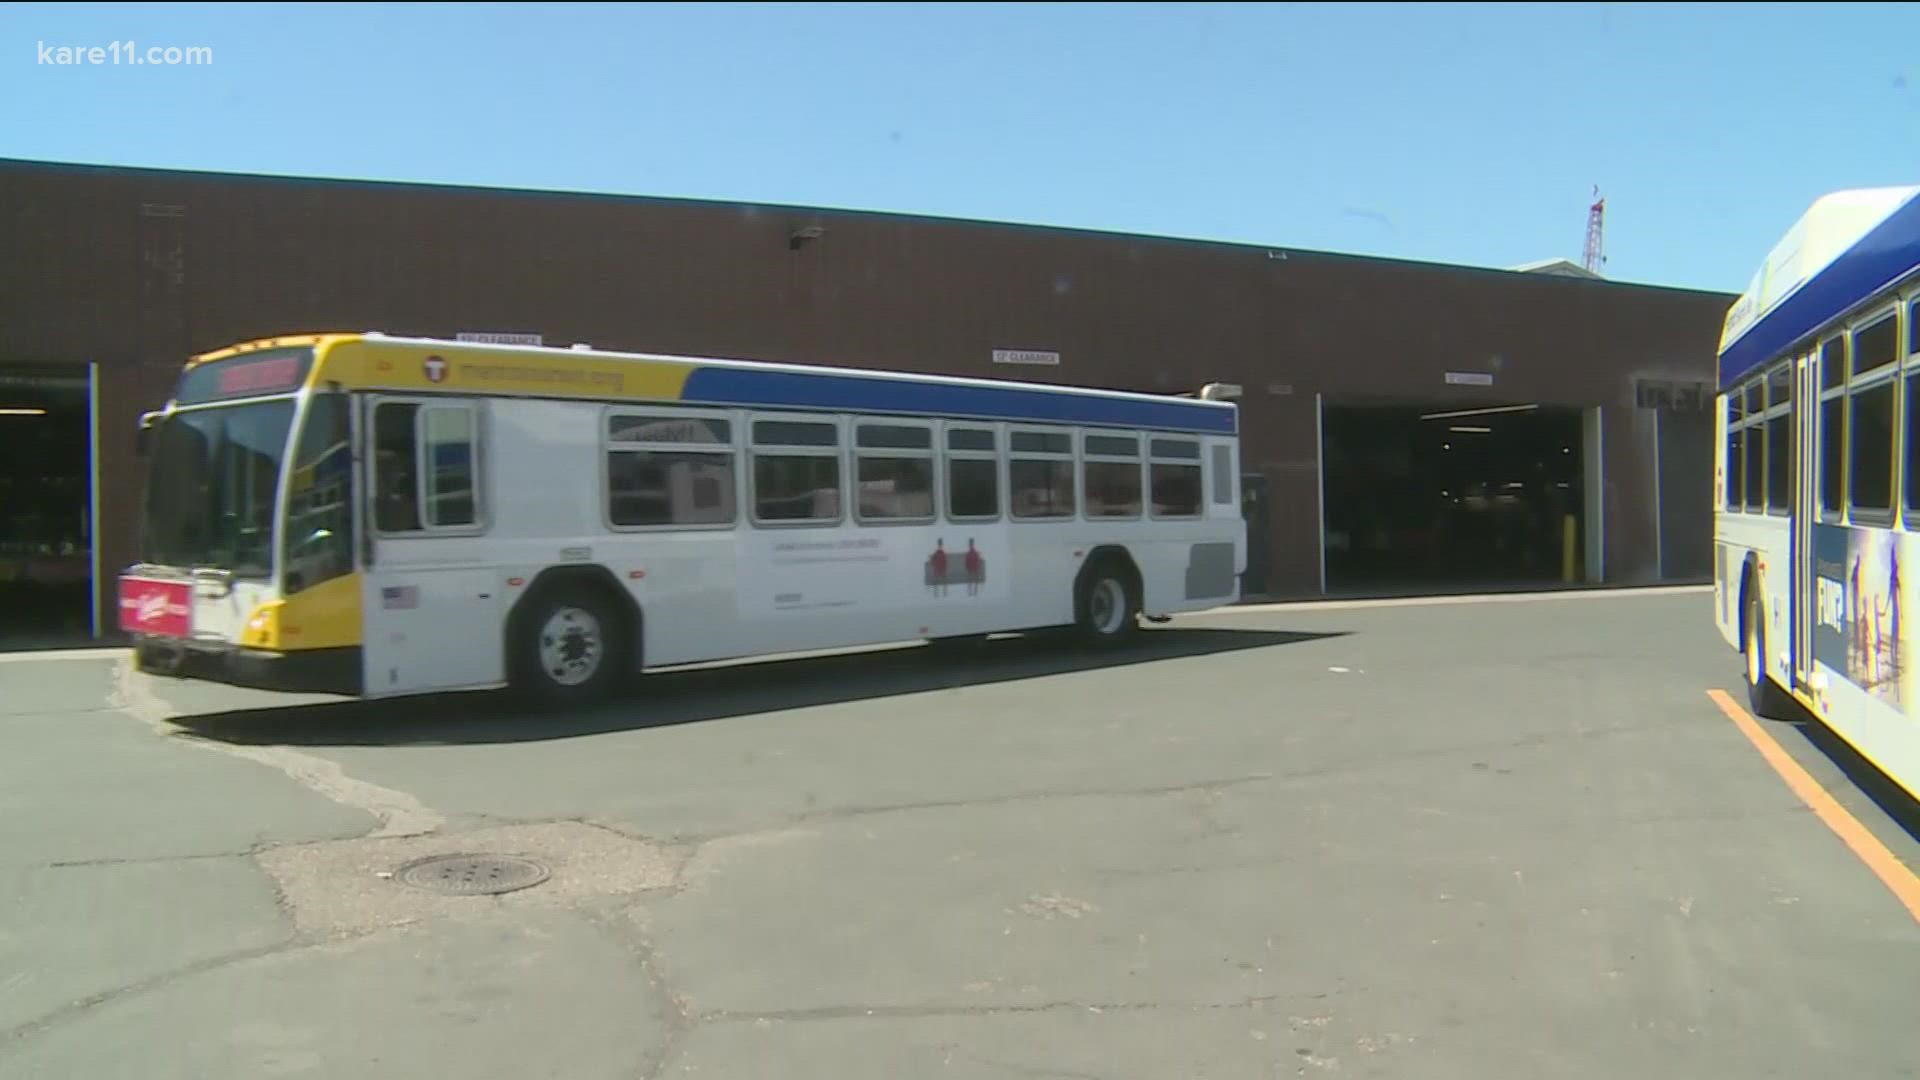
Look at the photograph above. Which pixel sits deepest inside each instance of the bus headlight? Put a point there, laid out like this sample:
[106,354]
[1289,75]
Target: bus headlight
[262,630]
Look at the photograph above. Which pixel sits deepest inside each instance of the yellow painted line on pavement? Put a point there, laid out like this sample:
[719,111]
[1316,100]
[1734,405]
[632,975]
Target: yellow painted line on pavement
[1892,873]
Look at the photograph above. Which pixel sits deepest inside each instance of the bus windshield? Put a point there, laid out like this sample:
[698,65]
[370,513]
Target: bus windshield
[216,474]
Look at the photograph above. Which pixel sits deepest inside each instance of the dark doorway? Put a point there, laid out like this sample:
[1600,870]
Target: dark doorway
[46,558]
[1253,508]
[1442,498]
[1685,442]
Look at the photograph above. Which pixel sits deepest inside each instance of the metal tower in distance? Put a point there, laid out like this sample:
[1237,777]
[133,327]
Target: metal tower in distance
[1595,258]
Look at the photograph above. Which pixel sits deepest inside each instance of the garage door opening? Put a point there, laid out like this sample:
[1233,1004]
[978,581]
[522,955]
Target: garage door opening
[1442,499]
[46,507]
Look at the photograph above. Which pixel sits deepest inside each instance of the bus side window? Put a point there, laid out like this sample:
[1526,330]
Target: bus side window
[893,472]
[1110,475]
[1871,470]
[973,474]
[796,472]
[1833,429]
[396,480]
[1912,481]
[1040,482]
[319,541]
[1734,456]
[424,450]
[447,456]
[1222,475]
[1173,472]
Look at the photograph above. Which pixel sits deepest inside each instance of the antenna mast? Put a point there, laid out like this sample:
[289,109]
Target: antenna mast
[1596,225]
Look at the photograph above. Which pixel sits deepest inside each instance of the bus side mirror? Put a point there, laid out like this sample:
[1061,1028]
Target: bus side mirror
[143,438]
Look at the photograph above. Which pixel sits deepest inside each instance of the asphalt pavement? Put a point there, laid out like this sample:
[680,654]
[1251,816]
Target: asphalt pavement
[1470,838]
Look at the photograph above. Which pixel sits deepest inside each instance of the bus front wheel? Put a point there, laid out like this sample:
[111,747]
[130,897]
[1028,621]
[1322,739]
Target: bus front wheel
[568,647]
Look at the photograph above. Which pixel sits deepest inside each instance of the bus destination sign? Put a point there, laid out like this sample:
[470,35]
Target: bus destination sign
[269,371]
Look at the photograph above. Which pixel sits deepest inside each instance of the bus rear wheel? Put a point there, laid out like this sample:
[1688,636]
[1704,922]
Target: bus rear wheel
[569,648]
[1108,609]
[1764,696]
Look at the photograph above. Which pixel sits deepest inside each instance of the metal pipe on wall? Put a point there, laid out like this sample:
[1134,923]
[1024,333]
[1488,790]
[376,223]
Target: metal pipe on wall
[93,495]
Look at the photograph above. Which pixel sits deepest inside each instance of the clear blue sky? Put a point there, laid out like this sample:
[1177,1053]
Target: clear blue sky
[1469,134]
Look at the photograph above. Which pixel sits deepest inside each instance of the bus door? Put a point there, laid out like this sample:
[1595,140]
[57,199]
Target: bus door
[430,604]
[1801,604]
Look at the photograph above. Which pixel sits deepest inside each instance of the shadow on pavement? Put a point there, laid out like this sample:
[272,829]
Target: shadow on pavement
[1890,797]
[691,695]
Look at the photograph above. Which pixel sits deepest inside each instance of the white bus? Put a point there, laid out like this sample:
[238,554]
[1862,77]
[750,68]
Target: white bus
[382,516]
[1818,477]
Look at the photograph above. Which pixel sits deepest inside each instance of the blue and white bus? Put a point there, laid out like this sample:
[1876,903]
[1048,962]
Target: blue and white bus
[1817,487]
[382,516]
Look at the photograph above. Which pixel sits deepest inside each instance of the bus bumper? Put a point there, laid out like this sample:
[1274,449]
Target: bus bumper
[309,671]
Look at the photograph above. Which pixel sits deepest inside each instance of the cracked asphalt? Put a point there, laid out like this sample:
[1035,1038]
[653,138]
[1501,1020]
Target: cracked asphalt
[1458,839]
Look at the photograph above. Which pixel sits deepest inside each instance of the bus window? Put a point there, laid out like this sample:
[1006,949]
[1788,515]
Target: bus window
[1111,475]
[447,460]
[973,474]
[1175,476]
[1913,450]
[396,481]
[1779,383]
[319,533]
[1833,428]
[1734,461]
[1040,474]
[796,472]
[1833,371]
[893,471]
[669,470]
[1779,464]
[1876,346]
[1871,482]
[1223,476]
[1756,467]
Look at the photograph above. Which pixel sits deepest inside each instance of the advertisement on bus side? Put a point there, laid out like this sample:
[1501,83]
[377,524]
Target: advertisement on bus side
[872,570]
[1857,607]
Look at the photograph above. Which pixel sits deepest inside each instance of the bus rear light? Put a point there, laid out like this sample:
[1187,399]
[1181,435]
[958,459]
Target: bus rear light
[636,574]
[516,582]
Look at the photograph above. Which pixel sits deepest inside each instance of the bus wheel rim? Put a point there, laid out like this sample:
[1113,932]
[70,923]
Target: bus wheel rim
[1753,651]
[571,646]
[1107,606]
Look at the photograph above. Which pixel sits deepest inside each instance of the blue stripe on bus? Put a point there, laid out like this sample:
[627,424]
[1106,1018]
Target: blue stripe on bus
[1886,253]
[854,393]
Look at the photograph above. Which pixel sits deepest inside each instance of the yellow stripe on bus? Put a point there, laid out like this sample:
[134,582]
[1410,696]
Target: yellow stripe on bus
[371,364]
[325,616]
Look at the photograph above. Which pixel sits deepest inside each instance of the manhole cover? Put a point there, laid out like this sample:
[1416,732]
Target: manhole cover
[472,875]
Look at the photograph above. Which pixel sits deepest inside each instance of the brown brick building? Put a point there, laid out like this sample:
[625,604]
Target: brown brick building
[1365,380]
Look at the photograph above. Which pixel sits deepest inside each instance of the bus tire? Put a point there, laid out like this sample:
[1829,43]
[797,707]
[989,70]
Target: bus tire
[1106,604]
[569,646]
[1764,696]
